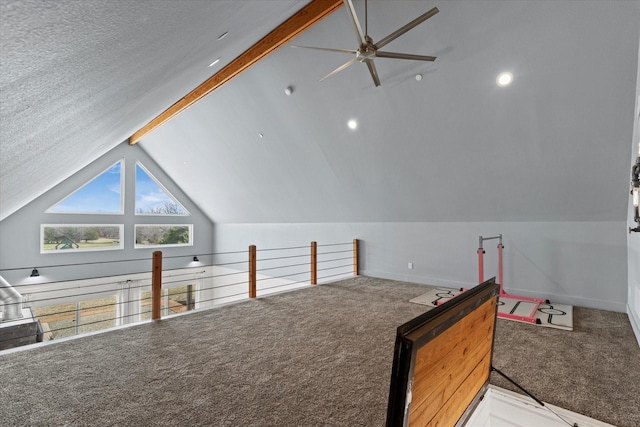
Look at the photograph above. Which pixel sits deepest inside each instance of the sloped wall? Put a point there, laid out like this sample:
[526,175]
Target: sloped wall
[578,263]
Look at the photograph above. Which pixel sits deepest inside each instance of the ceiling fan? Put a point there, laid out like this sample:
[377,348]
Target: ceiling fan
[369,50]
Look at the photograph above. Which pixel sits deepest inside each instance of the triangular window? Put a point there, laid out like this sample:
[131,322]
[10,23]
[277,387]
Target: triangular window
[102,195]
[152,198]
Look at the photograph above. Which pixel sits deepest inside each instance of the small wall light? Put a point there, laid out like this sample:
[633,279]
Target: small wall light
[195,259]
[34,273]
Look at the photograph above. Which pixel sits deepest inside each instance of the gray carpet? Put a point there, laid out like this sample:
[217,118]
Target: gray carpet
[315,357]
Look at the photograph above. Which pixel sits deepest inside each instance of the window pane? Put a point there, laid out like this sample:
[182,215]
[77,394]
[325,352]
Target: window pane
[145,305]
[97,314]
[181,299]
[57,321]
[102,195]
[76,238]
[152,198]
[163,235]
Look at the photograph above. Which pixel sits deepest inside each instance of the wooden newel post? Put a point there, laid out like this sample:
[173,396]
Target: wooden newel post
[355,257]
[252,271]
[156,285]
[314,263]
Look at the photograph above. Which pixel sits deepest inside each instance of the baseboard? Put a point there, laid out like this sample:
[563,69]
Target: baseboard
[619,307]
[635,323]
[431,281]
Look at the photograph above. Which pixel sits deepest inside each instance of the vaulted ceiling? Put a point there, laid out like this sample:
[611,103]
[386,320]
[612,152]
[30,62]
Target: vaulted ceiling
[79,78]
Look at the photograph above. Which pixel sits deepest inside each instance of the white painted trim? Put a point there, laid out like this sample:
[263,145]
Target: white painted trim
[420,280]
[503,408]
[635,323]
[562,299]
[572,300]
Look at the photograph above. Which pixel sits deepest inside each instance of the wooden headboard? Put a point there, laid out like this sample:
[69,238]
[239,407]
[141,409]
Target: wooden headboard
[442,360]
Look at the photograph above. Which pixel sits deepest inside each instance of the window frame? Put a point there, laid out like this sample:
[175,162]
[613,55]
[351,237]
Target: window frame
[44,251]
[122,195]
[164,189]
[137,245]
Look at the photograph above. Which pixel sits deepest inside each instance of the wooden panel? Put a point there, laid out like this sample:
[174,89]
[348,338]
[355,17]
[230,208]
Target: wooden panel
[453,409]
[285,32]
[442,359]
[468,333]
[443,366]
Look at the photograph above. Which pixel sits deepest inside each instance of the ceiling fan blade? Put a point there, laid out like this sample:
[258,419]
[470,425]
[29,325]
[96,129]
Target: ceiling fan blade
[340,68]
[327,49]
[400,31]
[354,21]
[395,55]
[374,73]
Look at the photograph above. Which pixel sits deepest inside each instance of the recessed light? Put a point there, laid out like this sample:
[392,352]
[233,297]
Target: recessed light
[352,124]
[504,79]
[223,35]
[215,62]
[418,77]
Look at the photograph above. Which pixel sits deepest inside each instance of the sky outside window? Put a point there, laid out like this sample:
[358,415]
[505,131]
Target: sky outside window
[152,198]
[101,195]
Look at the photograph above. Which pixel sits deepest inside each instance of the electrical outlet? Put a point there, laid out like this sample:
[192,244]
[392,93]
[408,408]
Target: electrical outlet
[410,266]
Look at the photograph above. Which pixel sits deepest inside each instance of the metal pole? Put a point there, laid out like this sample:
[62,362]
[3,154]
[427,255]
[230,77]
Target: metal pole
[480,265]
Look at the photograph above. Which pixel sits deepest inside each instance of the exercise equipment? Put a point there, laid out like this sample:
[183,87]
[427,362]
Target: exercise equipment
[512,316]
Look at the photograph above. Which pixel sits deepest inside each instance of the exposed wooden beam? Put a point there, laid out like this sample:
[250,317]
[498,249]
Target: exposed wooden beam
[306,17]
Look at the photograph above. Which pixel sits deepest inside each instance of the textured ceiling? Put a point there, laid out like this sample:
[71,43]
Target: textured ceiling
[77,78]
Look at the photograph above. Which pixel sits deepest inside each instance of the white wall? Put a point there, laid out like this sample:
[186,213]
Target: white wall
[633,240]
[578,263]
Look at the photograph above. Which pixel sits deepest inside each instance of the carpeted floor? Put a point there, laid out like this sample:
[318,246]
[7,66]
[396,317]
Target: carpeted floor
[320,356]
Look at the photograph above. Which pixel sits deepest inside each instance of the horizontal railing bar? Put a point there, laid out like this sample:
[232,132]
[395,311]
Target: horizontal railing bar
[283,285]
[281,249]
[282,257]
[283,266]
[332,275]
[335,259]
[280,277]
[333,268]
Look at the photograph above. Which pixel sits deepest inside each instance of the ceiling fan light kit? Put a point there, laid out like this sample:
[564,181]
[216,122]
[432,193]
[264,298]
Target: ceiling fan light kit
[368,50]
